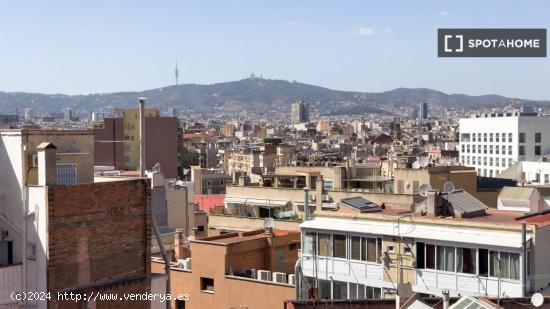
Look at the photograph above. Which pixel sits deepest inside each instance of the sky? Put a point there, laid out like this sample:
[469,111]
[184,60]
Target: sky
[81,47]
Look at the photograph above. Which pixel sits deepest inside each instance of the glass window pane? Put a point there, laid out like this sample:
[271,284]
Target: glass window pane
[360,291]
[363,249]
[514,266]
[430,256]
[505,265]
[466,260]
[339,243]
[493,264]
[324,289]
[371,249]
[323,245]
[309,241]
[483,262]
[420,255]
[352,290]
[355,248]
[339,290]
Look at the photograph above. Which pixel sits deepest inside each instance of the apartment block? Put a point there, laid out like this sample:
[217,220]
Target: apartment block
[237,270]
[450,242]
[493,142]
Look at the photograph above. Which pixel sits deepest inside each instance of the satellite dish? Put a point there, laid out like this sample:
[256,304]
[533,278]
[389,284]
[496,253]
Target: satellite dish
[416,165]
[423,161]
[448,187]
[424,189]
[537,300]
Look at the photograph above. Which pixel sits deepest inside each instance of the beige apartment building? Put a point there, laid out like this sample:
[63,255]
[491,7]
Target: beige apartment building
[237,270]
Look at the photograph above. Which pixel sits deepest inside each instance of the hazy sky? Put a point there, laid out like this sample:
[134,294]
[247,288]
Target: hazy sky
[80,47]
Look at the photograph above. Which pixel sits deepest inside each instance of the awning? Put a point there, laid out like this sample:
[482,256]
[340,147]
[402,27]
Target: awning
[256,202]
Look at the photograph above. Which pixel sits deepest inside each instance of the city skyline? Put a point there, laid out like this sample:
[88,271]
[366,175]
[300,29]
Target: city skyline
[96,48]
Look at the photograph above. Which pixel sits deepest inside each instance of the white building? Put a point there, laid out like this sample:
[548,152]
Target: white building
[477,253]
[528,172]
[493,142]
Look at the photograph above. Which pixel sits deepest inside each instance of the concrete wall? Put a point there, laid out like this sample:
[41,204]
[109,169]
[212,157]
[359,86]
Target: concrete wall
[72,147]
[109,154]
[217,222]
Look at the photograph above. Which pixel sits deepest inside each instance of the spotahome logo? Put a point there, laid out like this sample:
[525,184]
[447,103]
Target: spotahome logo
[491,42]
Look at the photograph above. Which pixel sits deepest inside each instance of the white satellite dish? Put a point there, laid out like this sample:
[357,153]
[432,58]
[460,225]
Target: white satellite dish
[415,165]
[423,161]
[424,189]
[448,187]
[537,300]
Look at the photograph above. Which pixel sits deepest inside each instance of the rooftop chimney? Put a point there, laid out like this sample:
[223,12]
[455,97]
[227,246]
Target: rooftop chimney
[431,203]
[319,186]
[47,168]
[142,136]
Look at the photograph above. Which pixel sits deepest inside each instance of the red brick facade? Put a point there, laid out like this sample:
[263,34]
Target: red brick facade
[99,239]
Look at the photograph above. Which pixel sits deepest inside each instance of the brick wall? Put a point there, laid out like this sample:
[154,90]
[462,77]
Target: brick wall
[99,236]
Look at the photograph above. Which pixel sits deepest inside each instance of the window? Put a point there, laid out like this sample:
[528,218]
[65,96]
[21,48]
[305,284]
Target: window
[66,174]
[483,262]
[339,245]
[490,137]
[484,148]
[430,256]
[497,139]
[371,249]
[521,150]
[207,284]
[309,243]
[180,304]
[538,137]
[200,228]
[474,137]
[356,248]
[546,178]
[293,246]
[490,149]
[466,260]
[445,258]
[465,137]
[509,265]
[339,290]
[31,251]
[374,293]
[485,137]
[522,137]
[324,289]
[420,256]
[509,137]
[323,245]
[537,150]
[509,150]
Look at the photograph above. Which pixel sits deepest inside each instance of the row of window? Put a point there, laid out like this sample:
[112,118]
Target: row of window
[486,149]
[344,290]
[334,245]
[486,161]
[481,262]
[496,137]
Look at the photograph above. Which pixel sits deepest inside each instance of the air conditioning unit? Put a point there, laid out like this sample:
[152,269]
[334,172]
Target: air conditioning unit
[187,264]
[181,263]
[264,275]
[292,279]
[279,277]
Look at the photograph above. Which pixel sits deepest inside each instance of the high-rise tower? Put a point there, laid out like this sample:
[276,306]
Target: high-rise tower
[176,73]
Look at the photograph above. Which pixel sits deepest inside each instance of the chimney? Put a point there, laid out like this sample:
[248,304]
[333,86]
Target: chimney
[431,203]
[142,136]
[319,186]
[47,168]
[179,245]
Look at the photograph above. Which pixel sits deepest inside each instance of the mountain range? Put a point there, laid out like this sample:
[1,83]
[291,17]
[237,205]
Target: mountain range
[257,94]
